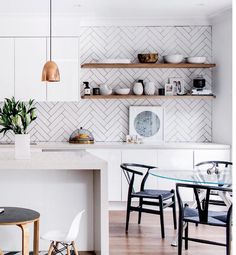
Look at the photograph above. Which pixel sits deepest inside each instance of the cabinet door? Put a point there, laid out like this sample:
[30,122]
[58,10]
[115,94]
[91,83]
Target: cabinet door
[113,158]
[30,57]
[146,157]
[175,160]
[65,52]
[207,155]
[7,68]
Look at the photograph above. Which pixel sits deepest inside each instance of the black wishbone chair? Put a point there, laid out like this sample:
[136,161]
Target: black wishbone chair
[202,215]
[163,198]
[215,167]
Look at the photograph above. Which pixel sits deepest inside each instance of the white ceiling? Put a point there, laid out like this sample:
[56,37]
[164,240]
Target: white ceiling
[151,9]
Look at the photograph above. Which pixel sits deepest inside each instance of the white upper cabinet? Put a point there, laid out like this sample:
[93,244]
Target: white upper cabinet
[6,68]
[30,57]
[65,52]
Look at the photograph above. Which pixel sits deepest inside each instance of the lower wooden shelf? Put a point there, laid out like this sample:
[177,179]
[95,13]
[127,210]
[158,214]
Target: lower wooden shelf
[94,97]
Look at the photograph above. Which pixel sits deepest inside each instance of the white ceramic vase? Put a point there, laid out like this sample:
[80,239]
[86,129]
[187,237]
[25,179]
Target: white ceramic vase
[138,88]
[22,146]
[149,88]
[105,90]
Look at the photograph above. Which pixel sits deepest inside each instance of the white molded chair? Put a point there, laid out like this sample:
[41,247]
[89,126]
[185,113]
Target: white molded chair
[65,239]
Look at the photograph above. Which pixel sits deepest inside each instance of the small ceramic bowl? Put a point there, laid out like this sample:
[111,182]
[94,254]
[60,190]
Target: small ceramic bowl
[122,91]
[173,59]
[148,58]
[196,60]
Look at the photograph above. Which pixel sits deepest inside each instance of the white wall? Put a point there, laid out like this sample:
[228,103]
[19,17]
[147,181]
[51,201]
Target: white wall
[222,78]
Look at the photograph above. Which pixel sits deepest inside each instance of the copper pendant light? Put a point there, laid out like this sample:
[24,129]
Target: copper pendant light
[50,70]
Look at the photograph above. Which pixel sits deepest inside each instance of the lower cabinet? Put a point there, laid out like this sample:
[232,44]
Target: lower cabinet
[146,157]
[207,155]
[176,160]
[164,159]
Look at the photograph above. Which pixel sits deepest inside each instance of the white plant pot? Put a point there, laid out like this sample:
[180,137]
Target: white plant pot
[22,146]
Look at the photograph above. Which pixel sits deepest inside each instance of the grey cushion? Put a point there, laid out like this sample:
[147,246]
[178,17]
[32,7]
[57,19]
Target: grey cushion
[214,217]
[152,193]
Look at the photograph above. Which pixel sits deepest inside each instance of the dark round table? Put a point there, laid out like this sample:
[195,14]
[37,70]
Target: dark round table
[21,217]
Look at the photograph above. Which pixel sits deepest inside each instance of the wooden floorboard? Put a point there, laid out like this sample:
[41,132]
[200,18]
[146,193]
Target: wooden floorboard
[146,237]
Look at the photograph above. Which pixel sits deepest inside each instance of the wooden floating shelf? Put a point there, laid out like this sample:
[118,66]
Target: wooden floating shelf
[138,65]
[146,97]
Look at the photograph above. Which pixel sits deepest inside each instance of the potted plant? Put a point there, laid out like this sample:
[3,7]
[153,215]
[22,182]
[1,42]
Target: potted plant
[16,116]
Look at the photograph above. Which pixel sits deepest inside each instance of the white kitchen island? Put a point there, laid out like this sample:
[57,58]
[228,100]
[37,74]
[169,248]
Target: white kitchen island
[57,185]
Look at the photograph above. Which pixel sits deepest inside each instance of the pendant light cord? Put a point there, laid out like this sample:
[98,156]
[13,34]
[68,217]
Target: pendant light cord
[50,30]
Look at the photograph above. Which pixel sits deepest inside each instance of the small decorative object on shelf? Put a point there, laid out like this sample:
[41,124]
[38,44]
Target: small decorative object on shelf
[96,91]
[141,81]
[148,58]
[16,116]
[173,59]
[105,90]
[149,88]
[161,91]
[122,91]
[199,84]
[81,136]
[169,89]
[87,90]
[133,139]
[138,88]
[178,86]
[196,60]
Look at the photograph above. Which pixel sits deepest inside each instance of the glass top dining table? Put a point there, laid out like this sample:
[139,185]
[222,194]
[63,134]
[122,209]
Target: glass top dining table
[207,177]
[221,178]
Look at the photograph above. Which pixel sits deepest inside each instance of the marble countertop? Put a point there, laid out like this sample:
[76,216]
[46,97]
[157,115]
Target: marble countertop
[48,146]
[73,160]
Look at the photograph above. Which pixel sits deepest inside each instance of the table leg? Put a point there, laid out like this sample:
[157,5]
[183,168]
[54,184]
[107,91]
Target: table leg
[36,237]
[25,238]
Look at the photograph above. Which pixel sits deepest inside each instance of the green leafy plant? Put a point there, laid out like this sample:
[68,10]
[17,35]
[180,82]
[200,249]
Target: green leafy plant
[16,116]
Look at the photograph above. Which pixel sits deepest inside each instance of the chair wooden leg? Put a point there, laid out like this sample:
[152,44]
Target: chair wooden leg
[174,212]
[186,236]
[228,240]
[68,249]
[162,217]
[180,235]
[36,237]
[25,238]
[75,248]
[51,248]
[128,215]
[140,212]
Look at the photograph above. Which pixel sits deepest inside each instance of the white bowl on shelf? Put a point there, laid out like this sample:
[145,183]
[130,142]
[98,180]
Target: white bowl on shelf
[173,59]
[122,91]
[196,60]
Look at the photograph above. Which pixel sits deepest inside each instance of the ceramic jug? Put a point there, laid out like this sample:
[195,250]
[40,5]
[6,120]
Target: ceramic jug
[138,88]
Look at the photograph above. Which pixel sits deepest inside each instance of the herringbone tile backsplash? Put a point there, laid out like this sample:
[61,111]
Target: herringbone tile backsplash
[185,120]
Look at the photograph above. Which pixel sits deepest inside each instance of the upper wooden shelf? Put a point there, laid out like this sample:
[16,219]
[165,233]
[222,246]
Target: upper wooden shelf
[138,65]
[94,97]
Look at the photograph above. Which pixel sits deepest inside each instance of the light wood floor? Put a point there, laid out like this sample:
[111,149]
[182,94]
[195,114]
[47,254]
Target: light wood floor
[146,237]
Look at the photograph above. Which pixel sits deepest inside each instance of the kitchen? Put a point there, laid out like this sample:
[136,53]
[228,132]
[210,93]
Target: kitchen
[96,47]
